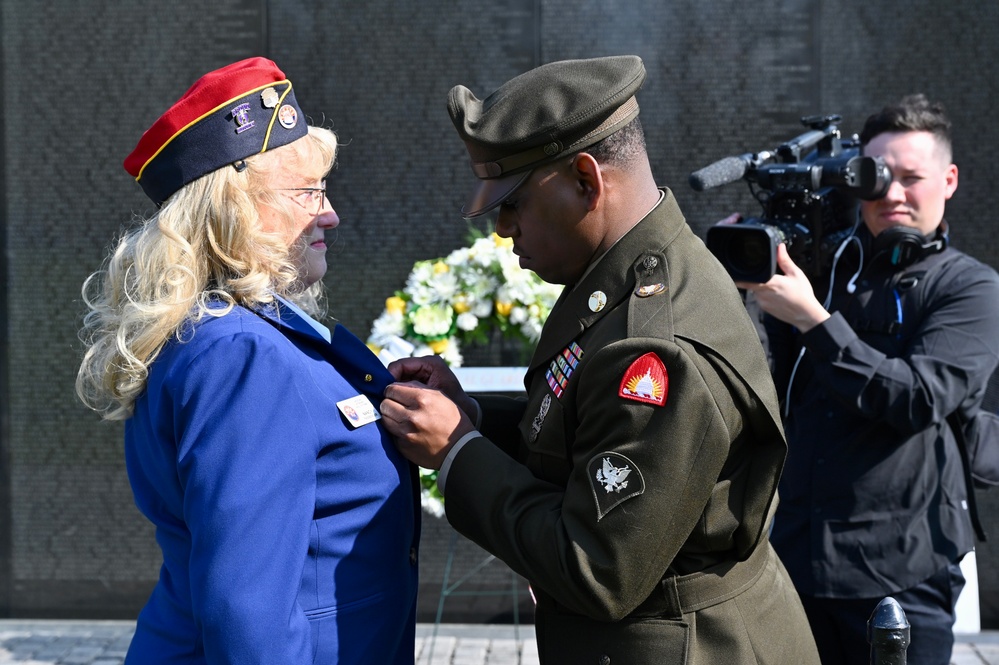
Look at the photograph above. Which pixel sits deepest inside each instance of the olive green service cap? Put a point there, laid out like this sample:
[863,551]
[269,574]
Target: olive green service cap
[550,112]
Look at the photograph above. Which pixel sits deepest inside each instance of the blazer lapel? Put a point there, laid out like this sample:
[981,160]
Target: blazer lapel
[350,356]
[286,318]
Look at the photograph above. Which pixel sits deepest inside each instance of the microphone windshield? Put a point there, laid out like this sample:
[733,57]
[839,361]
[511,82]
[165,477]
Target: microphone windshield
[720,173]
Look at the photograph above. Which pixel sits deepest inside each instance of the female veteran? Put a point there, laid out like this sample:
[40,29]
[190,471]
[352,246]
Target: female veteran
[288,529]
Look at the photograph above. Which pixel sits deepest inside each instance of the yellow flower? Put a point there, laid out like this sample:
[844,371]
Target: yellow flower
[395,305]
[375,349]
[440,267]
[502,242]
[503,308]
[460,305]
[438,347]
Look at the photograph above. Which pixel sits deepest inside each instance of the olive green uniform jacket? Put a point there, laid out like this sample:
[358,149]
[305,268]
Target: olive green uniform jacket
[634,491]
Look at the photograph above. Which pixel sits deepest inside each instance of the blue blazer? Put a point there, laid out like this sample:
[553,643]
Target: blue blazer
[288,535]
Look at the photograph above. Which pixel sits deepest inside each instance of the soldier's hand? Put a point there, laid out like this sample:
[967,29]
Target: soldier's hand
[424,422]
[434,373]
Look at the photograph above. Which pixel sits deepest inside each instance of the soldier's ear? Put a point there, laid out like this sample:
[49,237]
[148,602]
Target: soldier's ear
[589,178]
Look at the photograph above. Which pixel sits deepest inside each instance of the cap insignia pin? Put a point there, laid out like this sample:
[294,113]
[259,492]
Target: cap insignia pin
[597,301]
[288,116]
[241,114]
[269,97]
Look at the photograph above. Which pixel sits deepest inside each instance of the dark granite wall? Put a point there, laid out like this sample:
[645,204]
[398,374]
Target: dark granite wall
[83,78]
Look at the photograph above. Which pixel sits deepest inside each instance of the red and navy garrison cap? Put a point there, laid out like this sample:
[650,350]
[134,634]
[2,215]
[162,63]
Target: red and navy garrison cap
[229,114]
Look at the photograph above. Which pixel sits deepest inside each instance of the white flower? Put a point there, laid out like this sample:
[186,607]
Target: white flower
[431,282]
[468,321]
[432,320]
[445,285]
[459,258]
[483,308]
[432,504]
[532,329]
[452,354]
[483,252]
[385,327]
[422,350]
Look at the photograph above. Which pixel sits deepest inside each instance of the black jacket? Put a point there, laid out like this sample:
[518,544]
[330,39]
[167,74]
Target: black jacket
[873,499]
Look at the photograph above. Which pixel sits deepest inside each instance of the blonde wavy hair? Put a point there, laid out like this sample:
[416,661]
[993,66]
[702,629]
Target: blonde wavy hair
[204,246]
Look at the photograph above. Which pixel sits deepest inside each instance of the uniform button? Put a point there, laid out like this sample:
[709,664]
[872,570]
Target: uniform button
[830,415]
[820,461]
[412,555]
[368,378]
[605,660]
[817,511]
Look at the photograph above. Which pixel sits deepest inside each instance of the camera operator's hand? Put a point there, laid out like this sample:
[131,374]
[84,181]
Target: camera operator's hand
[788,296]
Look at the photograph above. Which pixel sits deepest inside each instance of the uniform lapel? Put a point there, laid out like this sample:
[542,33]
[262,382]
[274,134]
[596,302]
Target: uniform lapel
[613,277]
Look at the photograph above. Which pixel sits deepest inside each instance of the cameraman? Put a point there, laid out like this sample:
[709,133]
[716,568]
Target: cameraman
[873,498]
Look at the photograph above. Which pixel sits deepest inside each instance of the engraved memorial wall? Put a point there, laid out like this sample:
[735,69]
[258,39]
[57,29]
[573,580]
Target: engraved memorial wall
[82,79]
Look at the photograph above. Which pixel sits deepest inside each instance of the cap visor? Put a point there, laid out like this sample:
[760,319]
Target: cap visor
[491,193]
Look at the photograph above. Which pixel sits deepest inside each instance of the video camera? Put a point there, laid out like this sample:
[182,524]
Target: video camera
[808,189]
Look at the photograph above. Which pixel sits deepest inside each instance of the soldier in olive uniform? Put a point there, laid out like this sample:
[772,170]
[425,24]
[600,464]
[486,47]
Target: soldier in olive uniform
[635,484]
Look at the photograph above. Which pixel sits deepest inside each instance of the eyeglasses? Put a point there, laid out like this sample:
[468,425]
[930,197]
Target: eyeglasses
[309,197]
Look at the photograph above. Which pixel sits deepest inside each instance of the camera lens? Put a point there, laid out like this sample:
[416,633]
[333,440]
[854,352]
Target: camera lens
[747,250]
[751,256]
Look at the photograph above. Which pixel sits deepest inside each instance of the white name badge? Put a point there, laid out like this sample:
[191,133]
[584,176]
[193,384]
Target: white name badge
[358,410]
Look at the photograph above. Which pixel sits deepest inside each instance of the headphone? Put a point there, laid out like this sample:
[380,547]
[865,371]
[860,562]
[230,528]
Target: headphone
[906,245]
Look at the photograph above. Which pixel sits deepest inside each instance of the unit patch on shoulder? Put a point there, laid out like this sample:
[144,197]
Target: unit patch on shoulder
[645,380]
[613,479]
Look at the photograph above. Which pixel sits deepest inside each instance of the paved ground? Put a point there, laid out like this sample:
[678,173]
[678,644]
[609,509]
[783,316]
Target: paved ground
[24,642]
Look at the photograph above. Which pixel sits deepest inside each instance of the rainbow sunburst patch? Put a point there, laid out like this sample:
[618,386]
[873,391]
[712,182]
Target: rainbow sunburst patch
[645,380]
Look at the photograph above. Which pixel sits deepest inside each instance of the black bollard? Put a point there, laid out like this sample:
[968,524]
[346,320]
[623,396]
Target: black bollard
[888,633]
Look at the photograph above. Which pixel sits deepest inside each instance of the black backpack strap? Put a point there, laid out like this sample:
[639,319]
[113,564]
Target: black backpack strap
[954,420]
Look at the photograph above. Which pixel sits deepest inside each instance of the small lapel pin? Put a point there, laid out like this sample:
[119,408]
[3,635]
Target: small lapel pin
[597,301]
